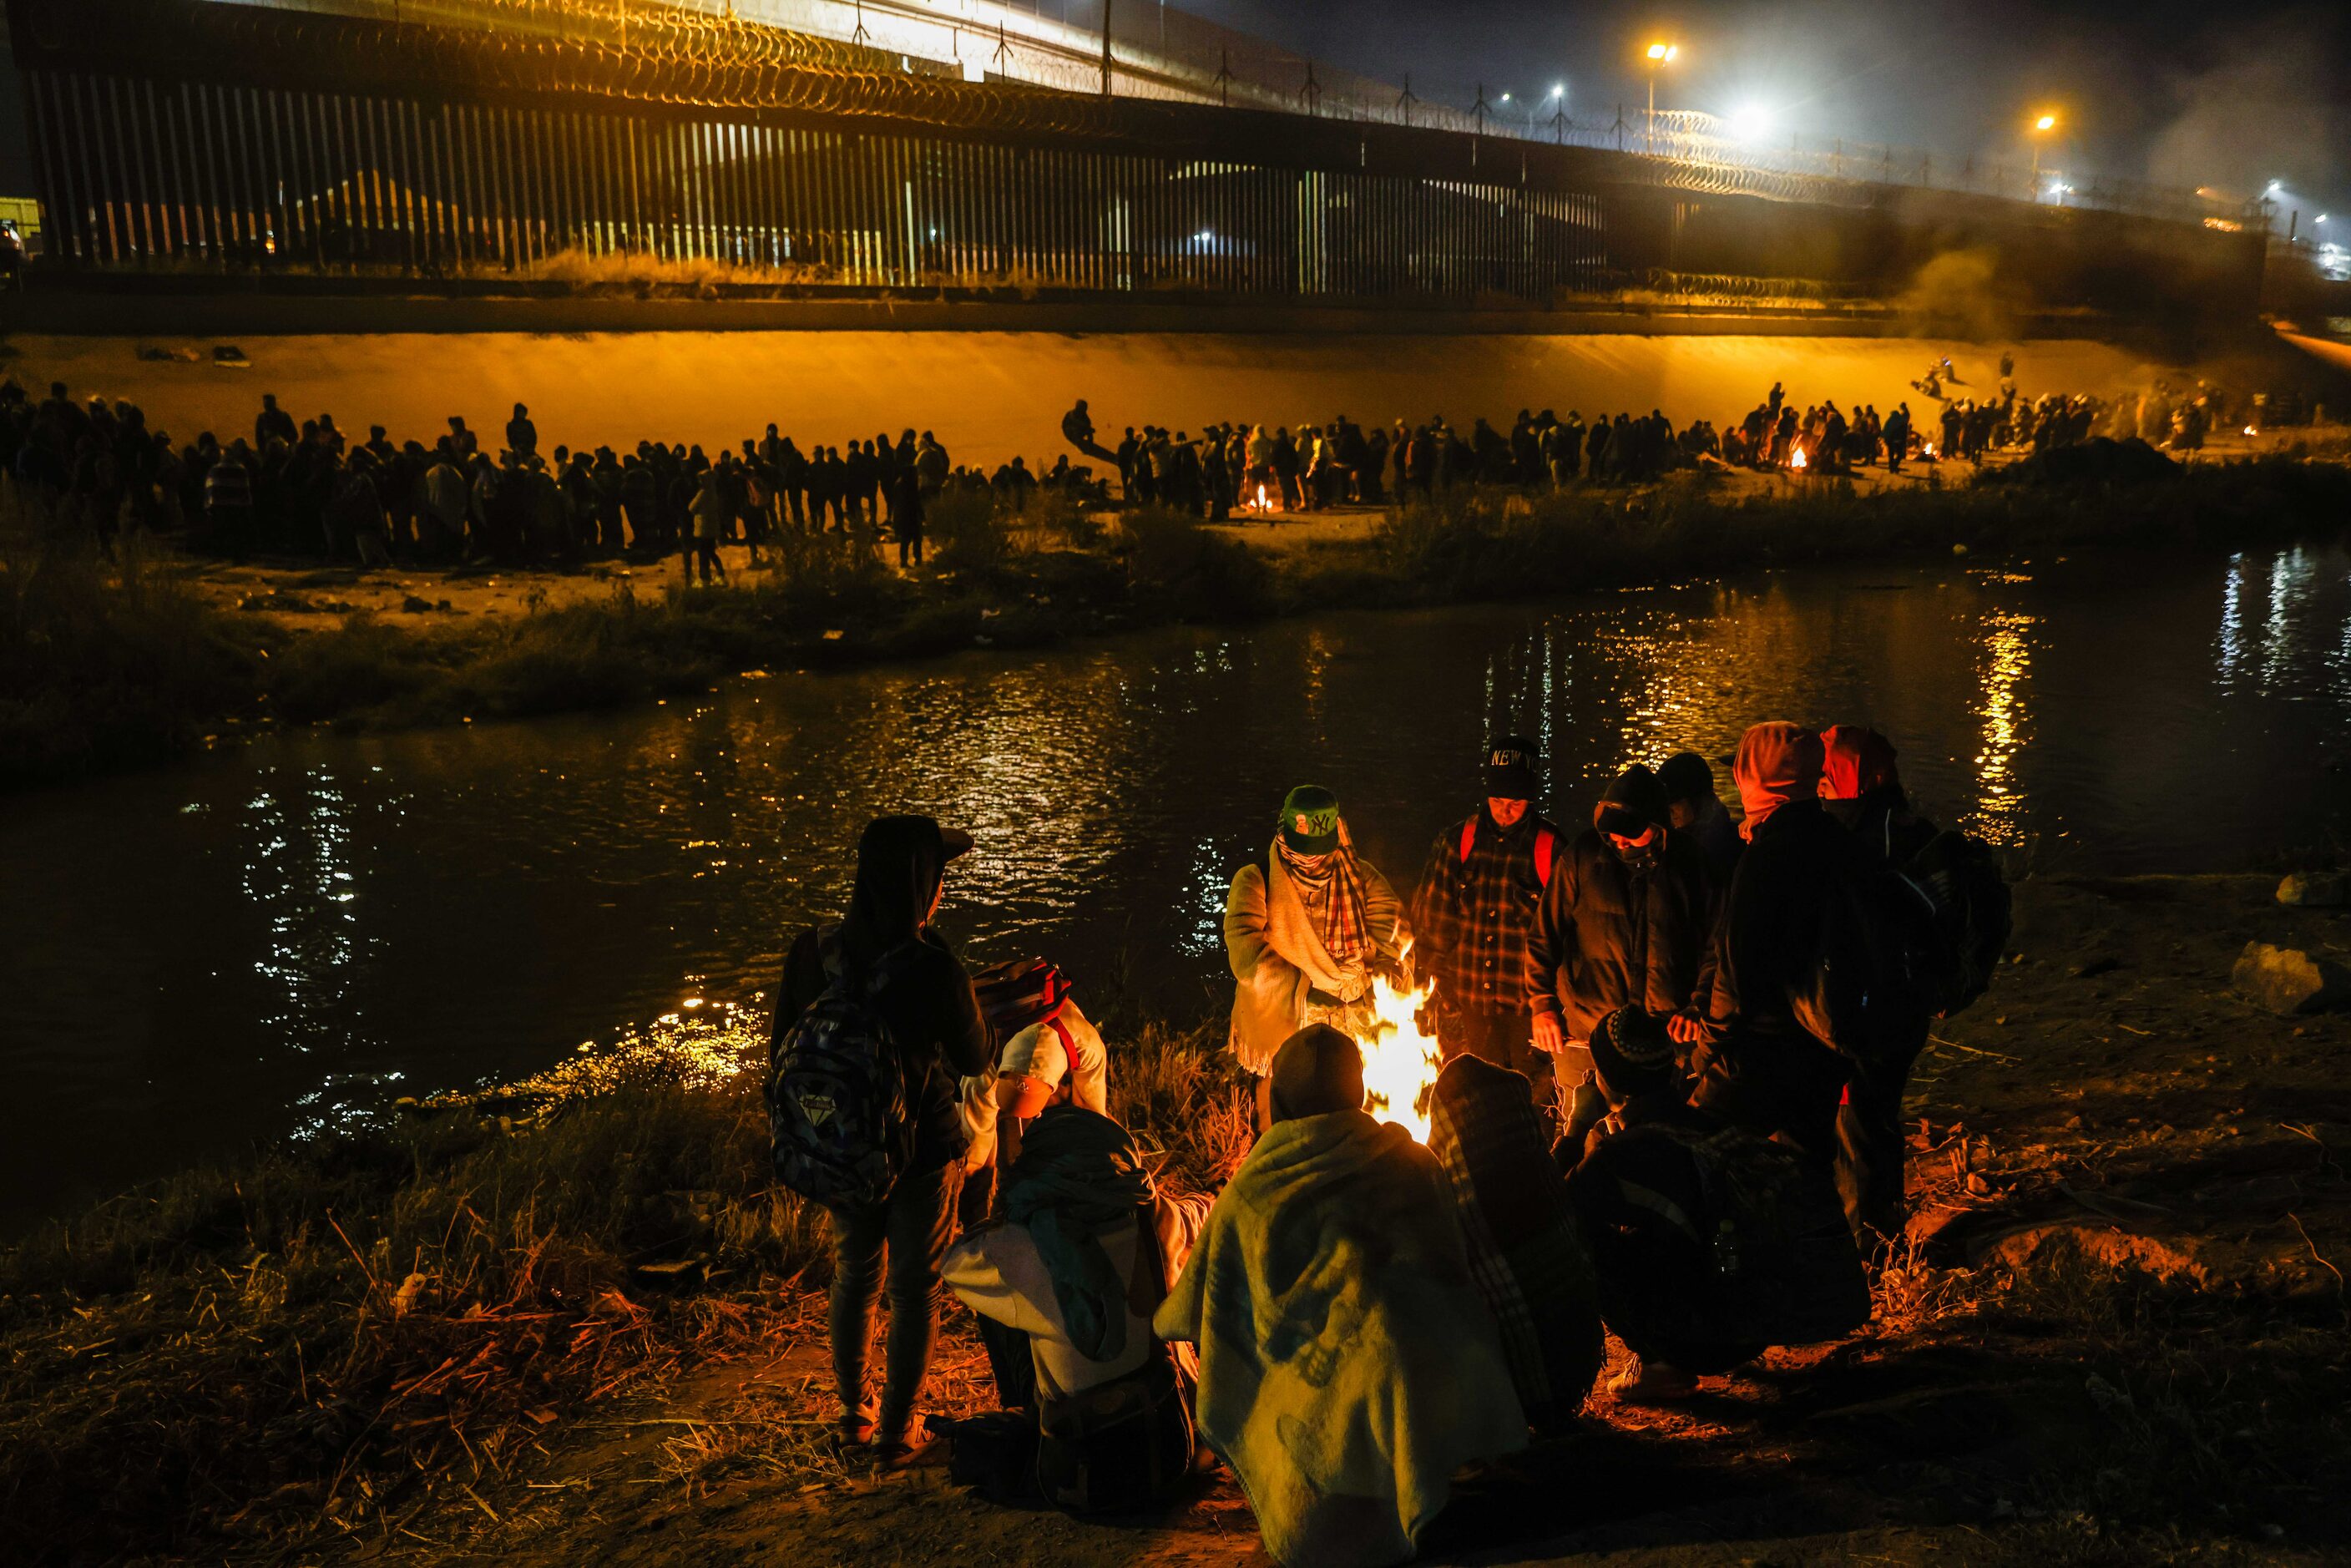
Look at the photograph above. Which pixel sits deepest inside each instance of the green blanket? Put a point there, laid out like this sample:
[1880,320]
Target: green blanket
[1347,1365]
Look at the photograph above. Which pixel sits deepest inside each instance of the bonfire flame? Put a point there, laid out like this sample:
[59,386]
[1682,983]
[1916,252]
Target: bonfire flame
[1796,458]
[2250,430]
[1400,1062]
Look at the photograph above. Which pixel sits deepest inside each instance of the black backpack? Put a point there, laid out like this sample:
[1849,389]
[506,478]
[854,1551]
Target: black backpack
[838,1120]
[1870,985]
[1969,922]
[1710,1244]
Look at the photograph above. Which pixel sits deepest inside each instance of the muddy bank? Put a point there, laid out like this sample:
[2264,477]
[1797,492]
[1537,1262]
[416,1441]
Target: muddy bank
[550,1330]
[107,668]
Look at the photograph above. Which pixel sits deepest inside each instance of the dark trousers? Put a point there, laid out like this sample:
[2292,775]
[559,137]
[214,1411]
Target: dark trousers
[914,1229]
[1871,1147]
[1506,1040]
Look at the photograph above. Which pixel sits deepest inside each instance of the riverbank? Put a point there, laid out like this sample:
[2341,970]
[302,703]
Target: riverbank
[554,1326]
[109,666]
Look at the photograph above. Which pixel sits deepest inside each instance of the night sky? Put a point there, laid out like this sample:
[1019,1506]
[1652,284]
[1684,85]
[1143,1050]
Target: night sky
[2227,95]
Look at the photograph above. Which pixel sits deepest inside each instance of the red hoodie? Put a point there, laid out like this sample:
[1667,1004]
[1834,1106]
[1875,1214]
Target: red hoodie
[1777,762]
[1856,759]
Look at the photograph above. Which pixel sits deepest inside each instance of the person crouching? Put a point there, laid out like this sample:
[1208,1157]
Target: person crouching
[1348,1366]
[1076,1266]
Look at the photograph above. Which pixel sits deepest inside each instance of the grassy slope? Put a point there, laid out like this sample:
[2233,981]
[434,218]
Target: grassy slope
[102,670]
[2119,1338]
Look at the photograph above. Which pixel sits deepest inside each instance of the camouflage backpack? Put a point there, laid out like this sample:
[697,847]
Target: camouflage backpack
[837,1117]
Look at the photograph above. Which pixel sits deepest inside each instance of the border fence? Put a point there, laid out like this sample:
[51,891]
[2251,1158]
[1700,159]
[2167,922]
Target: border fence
[186,133]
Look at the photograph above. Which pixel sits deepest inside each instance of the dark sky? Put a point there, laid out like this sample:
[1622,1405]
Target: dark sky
[2231,93]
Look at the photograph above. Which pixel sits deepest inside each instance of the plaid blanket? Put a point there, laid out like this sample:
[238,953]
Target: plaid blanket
[1526,1256]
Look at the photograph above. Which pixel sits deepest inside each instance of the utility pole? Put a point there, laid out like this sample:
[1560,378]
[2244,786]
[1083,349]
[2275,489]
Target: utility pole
[1404,99]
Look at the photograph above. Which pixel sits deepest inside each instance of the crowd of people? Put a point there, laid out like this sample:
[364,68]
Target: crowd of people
[86,470]
[1244,469]
[1672,1046]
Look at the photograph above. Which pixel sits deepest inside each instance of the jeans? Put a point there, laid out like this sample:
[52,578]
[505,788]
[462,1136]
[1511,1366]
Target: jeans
[914,1228]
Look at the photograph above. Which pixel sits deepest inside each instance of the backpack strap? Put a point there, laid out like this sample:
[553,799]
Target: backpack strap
[1546,848]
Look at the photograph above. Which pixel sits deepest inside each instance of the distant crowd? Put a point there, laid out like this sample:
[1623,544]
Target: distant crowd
[1257,469]
[84,470]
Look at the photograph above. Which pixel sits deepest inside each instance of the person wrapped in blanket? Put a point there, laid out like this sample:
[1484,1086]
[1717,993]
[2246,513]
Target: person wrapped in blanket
[1048,1041]
[1064,1283]
[1526,1256]
[1348,1367]
[1304,933]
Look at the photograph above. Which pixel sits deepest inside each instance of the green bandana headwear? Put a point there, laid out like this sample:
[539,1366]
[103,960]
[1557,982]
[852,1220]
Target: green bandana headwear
[1310,820]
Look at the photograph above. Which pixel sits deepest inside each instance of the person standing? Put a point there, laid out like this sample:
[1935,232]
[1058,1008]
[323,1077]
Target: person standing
[1623,923]
[907,514]
[888,955]
[1698,813]
[1474,911]
[1306,929]
[1754,1064]
[1861,790]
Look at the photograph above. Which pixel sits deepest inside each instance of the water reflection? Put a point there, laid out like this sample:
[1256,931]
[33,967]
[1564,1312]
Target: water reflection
[2007,667]
[274,936]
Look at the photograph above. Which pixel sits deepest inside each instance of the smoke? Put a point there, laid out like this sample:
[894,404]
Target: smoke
[2268,109]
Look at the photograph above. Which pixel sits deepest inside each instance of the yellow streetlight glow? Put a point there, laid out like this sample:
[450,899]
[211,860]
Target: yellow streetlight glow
[1660,53]
[1663,51]
[2046,122]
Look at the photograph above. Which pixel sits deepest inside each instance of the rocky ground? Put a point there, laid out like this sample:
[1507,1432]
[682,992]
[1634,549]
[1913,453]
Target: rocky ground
[2119,1334]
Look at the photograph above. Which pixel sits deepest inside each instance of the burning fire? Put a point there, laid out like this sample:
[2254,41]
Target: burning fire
[1400,1063]
[1796,458]
[2250,430]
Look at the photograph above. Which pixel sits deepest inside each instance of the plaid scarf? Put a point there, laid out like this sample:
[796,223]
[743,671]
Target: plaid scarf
[1331,888]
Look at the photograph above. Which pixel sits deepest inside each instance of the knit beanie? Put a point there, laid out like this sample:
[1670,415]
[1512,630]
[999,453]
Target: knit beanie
[1632,805]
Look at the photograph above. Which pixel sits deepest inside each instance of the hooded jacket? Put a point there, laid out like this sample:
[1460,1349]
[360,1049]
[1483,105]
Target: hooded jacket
[1608,934]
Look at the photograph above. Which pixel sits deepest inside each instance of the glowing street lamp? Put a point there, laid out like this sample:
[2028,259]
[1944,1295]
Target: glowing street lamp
[2042,124]
[1661,54]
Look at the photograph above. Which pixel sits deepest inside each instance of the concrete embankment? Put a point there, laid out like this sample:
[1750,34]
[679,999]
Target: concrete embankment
[989,394]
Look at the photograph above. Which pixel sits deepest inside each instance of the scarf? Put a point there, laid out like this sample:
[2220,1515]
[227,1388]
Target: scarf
[1331,888]
[1080,1176]
[1777,762]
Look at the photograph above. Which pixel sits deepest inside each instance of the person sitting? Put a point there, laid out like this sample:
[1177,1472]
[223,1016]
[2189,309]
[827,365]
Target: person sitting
[1527,1255]
[1348,1367]
[1075,1268]
[1051,1055]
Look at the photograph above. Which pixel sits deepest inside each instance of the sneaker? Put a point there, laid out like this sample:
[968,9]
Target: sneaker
[850,1432]
[907,1447]
[1652,1382]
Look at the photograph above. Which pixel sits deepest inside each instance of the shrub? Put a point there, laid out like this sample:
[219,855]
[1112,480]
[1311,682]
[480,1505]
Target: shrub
[1180,567]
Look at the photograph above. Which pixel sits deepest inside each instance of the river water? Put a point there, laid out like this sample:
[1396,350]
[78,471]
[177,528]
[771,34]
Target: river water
[282,937]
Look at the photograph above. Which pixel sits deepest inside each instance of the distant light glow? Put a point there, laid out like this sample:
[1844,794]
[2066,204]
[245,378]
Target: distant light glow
[1663,52]
[1752,122]
[2046,122]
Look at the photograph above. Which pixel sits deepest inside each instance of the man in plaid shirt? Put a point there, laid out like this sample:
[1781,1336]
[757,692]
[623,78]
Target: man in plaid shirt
[1475,909]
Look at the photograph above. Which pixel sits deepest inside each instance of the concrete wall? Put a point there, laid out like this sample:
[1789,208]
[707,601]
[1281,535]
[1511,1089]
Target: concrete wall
[991,394]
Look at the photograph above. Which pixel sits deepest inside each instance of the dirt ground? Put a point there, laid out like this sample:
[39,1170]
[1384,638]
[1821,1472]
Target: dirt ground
[2111,1111]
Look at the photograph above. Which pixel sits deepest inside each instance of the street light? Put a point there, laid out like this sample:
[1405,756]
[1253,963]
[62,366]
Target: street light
[1661,54]
[2041,126]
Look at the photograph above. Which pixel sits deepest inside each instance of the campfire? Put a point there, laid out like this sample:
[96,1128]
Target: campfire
[1796,459]
[1400,1062]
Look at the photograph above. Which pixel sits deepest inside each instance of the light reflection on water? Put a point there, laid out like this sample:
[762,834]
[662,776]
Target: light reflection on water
[276,939]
